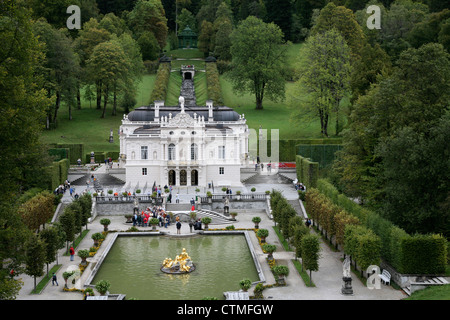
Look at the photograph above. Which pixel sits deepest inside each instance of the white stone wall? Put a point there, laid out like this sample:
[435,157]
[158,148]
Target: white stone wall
[208,159]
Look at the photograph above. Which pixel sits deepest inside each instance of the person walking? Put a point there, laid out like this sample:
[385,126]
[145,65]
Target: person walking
[72,253]
[54,280]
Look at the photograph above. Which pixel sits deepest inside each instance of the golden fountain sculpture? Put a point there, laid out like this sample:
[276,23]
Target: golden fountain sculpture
[181,264]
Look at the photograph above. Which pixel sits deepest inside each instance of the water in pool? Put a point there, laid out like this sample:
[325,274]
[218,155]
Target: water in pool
[133,264]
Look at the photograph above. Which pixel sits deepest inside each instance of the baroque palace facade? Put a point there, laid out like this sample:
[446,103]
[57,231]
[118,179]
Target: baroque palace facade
[184,145]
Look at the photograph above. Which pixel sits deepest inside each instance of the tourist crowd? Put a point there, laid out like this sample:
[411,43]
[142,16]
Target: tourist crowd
[142,219]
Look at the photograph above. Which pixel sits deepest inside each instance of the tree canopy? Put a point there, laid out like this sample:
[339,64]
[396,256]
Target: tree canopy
[258,55]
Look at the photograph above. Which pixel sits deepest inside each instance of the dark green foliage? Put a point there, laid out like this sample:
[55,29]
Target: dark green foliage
[76,150]
[280,12]
[310,252]
[385,239]
[161,83]
[59,153]
[67,221]
[35,257]
[98,156]
[424,254]
[324,154]
[213,84]
[307,171]
[363,245]
[50,238]
[299,232]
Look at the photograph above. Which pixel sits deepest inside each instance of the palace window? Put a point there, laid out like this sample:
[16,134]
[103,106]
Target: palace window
[144,152]
[221,152]
[144,171]
[171,151]
[194,151]
[221,170]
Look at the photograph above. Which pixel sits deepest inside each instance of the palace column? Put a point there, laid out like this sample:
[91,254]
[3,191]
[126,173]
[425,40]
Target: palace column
[177,176]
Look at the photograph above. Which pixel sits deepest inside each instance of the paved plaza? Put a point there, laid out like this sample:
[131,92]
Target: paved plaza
[328,279]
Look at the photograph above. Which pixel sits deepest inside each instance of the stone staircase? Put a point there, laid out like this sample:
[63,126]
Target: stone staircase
[188,92]
[184,209]
[419,285]
[216,217]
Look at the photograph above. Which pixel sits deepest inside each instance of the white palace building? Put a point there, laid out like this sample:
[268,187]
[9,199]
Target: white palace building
[184,145]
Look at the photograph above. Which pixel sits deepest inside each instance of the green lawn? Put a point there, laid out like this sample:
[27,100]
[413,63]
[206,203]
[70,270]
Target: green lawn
[185,54]
[87,127]
[432,293]
[275,115]
[173,89]
[201,90]
[176,64]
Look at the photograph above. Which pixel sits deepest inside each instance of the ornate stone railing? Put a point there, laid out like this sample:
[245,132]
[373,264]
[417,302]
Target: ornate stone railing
[235,197]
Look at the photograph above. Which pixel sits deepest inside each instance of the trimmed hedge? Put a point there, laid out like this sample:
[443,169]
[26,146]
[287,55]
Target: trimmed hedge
[59,153]
[288,147]
[57,173]
[424,254]
[307,171]
[213,84]
[76,150]
[161,83]
[363,245]
[63,169]
[113,154]
[98,156]
[418,254]
[324,154]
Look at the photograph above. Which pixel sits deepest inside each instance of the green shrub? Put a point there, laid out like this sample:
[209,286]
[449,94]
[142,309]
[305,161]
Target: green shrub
[424,254]
[161,83]
[213,84]
[263,234]
[245,284]
[102,286]
[83,253]
[105,222]
[256,219]
[280,270]
[153,221]
[307,171]
[206,220]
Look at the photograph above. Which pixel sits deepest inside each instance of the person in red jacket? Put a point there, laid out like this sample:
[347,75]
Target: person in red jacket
[72,253]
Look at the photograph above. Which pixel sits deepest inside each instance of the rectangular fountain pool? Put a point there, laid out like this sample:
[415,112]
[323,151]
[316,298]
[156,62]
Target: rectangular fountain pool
[133,263]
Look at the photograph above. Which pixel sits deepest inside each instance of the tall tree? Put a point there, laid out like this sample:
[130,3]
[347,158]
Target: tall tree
[22,104]
[310,248]
[415,175]
[223,29]
[343,20]
[35,257]
[414,96]
[61,67]
[23,99]
[149,15]
[324,77]
[206,37]
[186,18]
[109,66]
[89,37]
[258,55]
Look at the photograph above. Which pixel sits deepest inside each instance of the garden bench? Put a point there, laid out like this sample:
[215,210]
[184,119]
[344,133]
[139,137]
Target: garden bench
[385,277]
